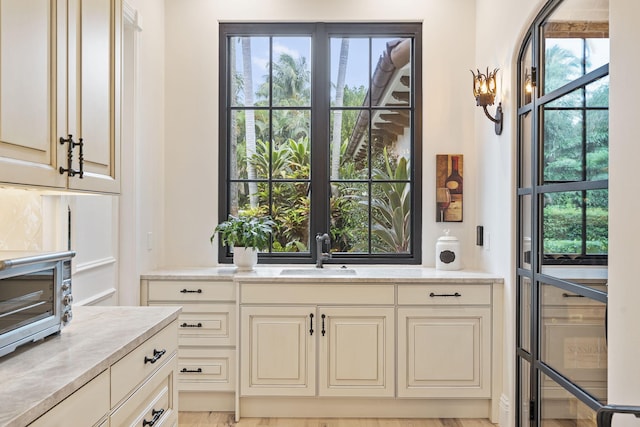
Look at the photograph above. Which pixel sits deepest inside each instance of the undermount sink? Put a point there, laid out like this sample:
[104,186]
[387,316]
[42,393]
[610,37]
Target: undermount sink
[318,272]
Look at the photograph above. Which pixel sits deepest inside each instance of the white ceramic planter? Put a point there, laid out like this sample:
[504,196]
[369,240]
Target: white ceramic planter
[245,258]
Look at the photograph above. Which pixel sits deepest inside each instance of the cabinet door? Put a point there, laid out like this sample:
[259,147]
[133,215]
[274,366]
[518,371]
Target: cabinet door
[444,352]
[94,91]
[278,351]
[356,351]
[32,56]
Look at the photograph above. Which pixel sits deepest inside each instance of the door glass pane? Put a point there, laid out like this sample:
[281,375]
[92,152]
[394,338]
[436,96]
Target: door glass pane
[561,408]
[573,339]
[525,313]
[576,41]
[526,88]
[525,231]
[575,223]
[391,73]
[525,150]
[525,392]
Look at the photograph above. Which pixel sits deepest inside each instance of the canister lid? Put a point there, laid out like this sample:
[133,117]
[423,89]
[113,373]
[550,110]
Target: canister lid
[446,237]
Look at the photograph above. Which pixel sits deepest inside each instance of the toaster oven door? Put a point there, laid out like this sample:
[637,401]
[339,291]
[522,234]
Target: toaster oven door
[26,299]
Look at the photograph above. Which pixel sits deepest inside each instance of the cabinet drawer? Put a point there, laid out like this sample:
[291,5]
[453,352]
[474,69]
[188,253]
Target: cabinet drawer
[132,369]
[444,294]
[153,400]
[191,290]
[206,370]
[317,293]
[85,407]
[206,324]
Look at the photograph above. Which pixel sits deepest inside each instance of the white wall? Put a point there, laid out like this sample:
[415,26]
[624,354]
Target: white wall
[191,167]
[500,27]
[624,205]
[143,143]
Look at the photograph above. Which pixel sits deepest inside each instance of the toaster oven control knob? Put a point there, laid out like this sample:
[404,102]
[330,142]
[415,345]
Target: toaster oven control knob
[67,316]
[67,299]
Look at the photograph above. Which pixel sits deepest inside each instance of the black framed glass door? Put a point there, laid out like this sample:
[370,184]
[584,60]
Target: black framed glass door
[562,211]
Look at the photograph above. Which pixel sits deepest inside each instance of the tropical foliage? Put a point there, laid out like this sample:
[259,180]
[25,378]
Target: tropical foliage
[273,171]
[576,148]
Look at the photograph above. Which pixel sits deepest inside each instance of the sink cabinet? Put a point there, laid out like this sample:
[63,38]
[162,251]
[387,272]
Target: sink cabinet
[417,345]
[59,76]
[354,346]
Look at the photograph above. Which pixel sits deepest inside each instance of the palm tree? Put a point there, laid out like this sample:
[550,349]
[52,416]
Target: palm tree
[337,114]
[250,121]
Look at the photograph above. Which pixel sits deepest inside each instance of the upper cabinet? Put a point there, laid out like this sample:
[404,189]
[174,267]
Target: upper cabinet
[60,71]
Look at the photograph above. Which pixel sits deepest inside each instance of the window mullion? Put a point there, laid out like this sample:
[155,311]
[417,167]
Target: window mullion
[320,115]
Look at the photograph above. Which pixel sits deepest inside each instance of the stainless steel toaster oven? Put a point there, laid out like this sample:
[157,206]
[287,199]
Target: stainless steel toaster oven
[35,296]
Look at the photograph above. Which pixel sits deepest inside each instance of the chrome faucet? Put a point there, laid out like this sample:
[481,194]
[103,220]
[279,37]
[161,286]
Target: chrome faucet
[320,255]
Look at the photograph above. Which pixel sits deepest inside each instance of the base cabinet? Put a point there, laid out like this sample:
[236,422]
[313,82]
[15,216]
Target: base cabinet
[318,350]
[206,337]
[444,352]
[278,351]
[139,389]
[356,354]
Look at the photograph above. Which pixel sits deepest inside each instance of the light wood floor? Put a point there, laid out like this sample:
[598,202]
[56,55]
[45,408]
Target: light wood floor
[225,419]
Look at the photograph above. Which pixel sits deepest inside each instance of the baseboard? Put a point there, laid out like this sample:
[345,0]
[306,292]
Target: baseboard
[504,419]
[313,407]
[206,401]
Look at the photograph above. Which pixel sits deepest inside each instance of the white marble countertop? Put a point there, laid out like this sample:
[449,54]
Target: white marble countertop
[37,376]
[330,273]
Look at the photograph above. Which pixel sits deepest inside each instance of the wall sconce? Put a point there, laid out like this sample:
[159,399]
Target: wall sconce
[484,90]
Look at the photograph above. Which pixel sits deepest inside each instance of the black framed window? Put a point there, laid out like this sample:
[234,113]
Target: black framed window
[318,130]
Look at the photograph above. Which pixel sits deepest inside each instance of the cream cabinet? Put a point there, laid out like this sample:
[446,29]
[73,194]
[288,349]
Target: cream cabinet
[355,343]
[356,354]
[88,406]
[278,351]
[444,341]
[444,352]
[60,76]
[138,389]
[206,336]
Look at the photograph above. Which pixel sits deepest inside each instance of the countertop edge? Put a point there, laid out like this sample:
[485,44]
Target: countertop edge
[30,413]
[366,274]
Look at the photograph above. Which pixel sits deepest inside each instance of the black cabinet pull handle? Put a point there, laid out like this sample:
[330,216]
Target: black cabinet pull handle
[310,323]
[156,416]
[197,371]
[566,295]
[457,294]
[157,354]
[189,291]
[323,331]
[191,325]
[69,169]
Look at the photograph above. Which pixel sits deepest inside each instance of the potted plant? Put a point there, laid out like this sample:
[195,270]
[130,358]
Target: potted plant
[246,235]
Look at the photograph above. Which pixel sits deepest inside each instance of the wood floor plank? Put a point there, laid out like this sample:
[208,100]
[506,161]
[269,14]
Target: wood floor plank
[225,419]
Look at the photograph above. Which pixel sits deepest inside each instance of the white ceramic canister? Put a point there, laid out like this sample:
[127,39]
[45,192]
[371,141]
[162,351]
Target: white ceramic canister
[448,252]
